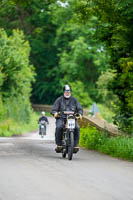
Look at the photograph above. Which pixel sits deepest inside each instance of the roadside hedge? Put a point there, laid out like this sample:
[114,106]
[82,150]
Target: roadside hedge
[120,146]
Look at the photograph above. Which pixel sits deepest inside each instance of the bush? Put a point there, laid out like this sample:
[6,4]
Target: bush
[79,92]
[16,76]
[106,113]
[10,127]
[124,122]
[120,147]
[18,108]
[91,138]
[2,110]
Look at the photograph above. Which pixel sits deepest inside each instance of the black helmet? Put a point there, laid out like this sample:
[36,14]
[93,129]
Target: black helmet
[66,88]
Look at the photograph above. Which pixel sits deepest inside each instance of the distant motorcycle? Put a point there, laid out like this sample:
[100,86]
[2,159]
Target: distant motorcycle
[69,118]
[42,127]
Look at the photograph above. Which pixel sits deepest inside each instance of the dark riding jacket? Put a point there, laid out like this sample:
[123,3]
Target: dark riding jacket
[64,104]
[43,118]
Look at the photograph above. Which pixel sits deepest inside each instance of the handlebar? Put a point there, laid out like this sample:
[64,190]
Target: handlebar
[67,112]
[64,114]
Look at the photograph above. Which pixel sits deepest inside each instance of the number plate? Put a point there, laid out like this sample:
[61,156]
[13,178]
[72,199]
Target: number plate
[71,123]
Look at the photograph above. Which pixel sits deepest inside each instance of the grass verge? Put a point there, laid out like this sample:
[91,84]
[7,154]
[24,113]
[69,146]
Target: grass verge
[106,113]
[120,147]
[10,127]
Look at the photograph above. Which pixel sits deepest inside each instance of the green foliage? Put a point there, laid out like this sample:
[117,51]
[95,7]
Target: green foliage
[33,17]
[2,110]
[10,127]
[115,27]
[15,81]
[124,117]
[16,71]
[105,94]
[82,58]
[125,122]
[107,113]
[18,109]
[120,146]
[91,138]
[72,42]
[79,93]
[6,127]
[60,49]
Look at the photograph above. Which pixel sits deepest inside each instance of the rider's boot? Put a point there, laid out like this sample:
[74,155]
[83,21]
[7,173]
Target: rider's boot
[58,149]
[75,149]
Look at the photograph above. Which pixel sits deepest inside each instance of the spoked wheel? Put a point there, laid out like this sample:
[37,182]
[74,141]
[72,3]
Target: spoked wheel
[71,146]
[42,133]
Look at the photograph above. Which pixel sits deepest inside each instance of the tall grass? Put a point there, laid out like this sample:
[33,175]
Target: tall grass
[16,116]
[120,146]
[106,113]
[10,127]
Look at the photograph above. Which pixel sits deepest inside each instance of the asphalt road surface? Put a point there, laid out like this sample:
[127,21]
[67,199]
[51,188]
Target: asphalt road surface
[31,170]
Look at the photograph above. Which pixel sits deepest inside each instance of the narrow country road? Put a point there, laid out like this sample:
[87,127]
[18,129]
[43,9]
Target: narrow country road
[31,170]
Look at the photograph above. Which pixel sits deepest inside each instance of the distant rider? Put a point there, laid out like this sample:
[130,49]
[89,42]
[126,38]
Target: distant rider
[43,118]
[66,103]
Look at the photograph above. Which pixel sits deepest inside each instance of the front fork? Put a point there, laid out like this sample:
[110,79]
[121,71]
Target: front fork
[67,138]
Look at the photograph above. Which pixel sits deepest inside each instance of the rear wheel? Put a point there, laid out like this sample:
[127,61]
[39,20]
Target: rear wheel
[70,146]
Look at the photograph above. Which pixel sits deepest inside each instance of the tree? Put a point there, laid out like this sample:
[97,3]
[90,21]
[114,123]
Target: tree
[115,28]
[34,18]
[16,74]
[81,56]
[106,95]
[79,92]
[61,50]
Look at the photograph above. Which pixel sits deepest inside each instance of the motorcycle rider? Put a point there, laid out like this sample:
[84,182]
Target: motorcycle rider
[42,118]
[66,103]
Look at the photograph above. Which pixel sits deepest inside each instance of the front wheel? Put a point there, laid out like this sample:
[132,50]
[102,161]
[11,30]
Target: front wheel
[42,132]
[42,135]
[64,153]
[70,146]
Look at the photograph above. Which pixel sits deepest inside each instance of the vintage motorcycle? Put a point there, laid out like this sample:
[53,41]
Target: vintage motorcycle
[69,118]
[42,126]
